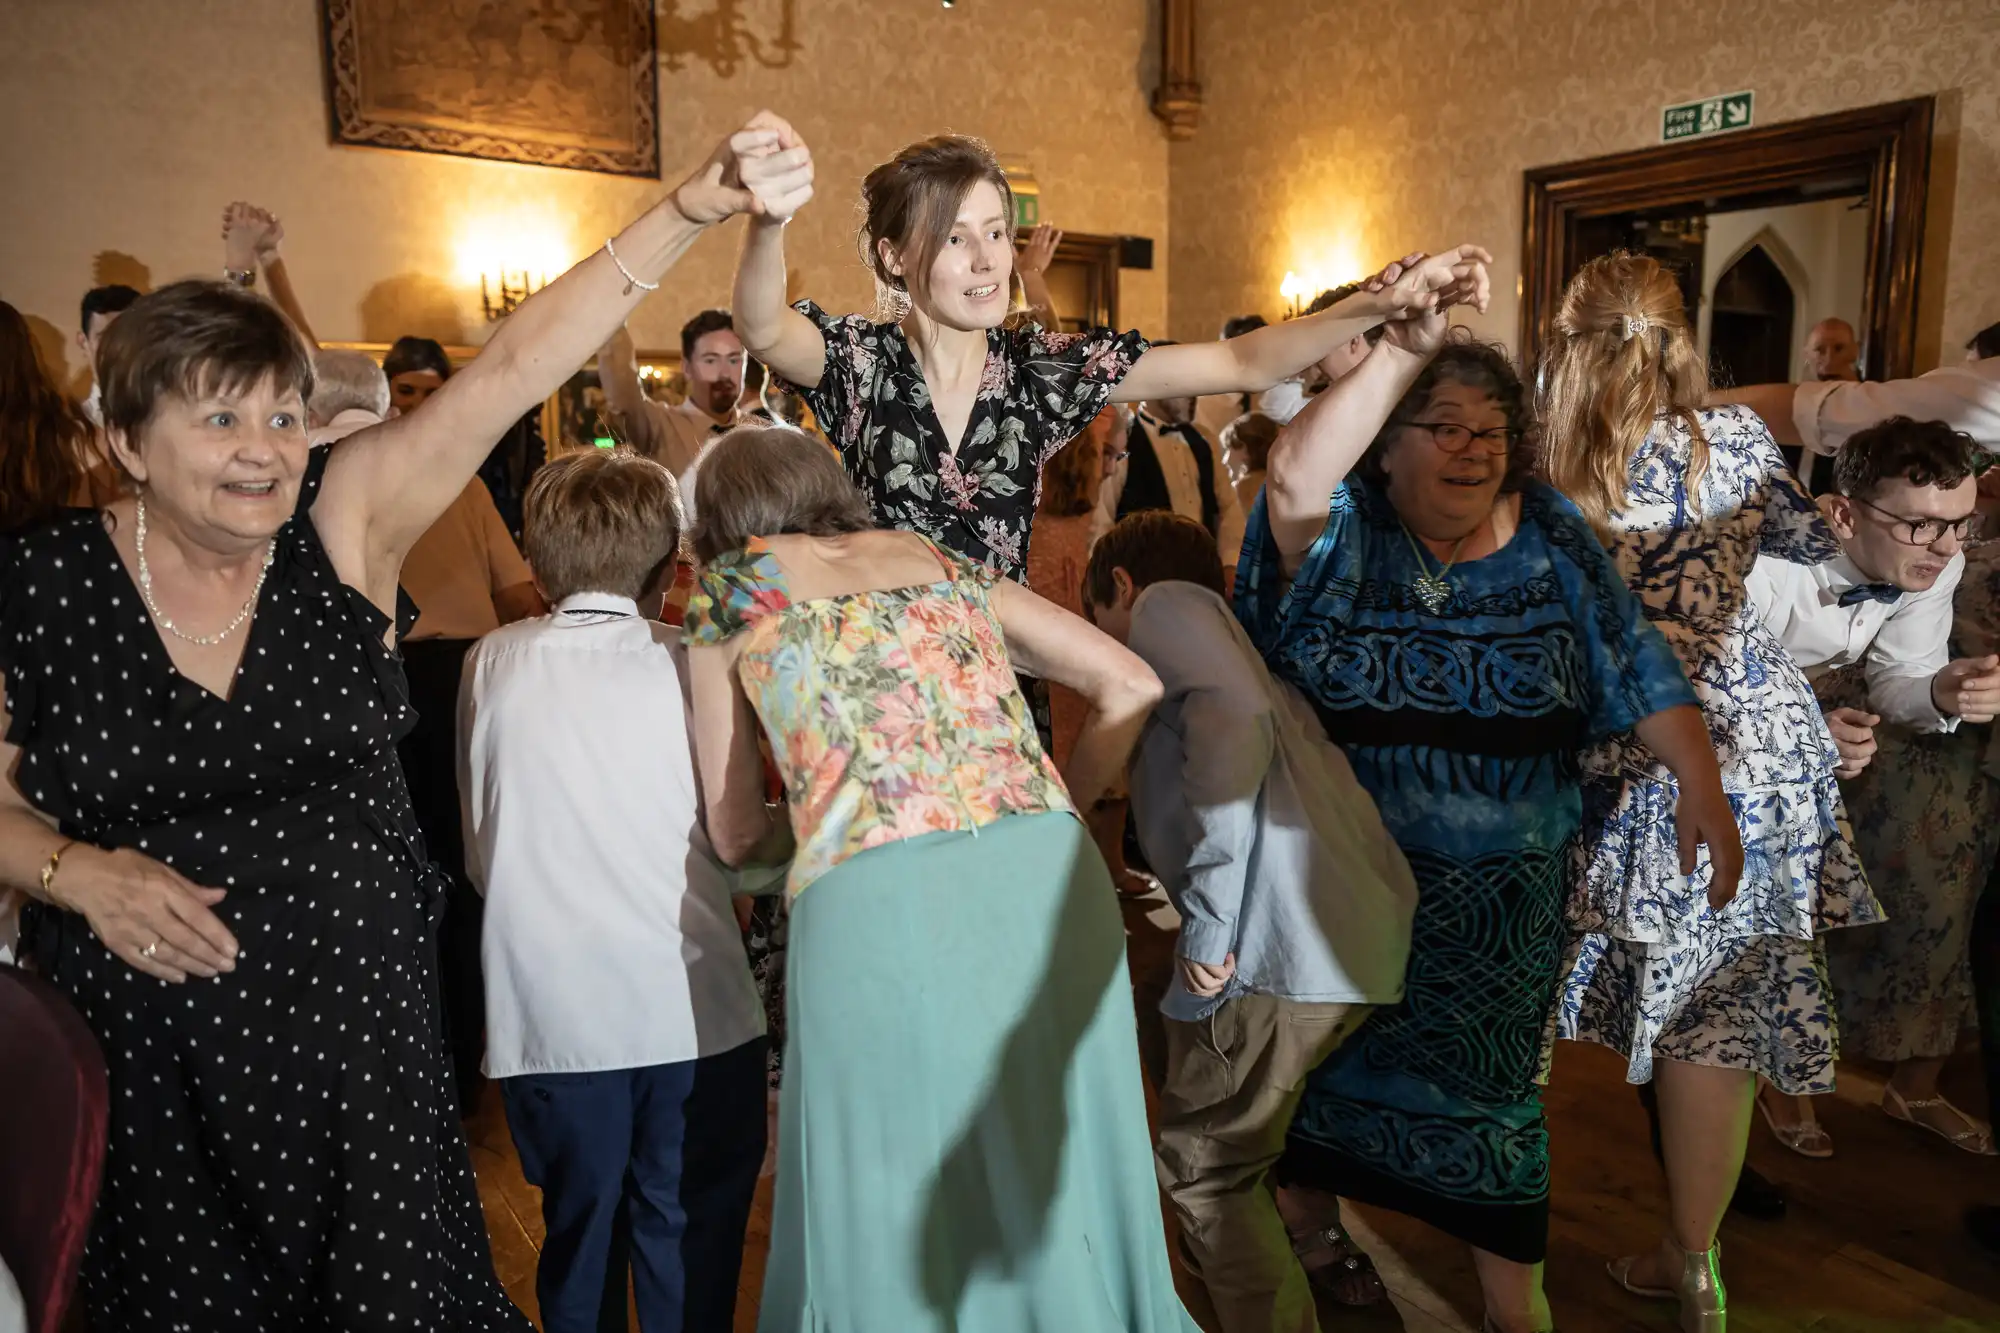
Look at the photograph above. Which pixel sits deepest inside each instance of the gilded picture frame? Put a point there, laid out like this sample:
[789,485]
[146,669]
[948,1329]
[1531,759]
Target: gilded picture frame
[555,83]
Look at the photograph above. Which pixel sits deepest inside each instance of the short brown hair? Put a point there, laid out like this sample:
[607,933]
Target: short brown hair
[1152,546]
[1923,453]
[703,324]
[1252,434]
[762,481]
[912,200]
[601,520]
[195,338]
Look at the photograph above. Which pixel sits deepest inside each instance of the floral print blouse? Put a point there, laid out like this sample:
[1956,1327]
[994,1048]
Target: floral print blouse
[1039,390]
[1687,557]
[892,713]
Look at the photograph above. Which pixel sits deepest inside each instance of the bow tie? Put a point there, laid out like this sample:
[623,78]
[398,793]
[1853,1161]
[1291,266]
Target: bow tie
[1871,592]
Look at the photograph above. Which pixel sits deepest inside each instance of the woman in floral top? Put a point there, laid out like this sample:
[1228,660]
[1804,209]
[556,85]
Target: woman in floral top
[961,1124]
[943,415]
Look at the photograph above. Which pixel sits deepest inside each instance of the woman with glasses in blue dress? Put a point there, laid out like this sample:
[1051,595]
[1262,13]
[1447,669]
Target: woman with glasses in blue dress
[1464,637]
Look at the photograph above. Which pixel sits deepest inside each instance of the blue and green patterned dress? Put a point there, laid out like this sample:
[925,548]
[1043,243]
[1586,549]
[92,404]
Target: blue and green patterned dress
[1465,725]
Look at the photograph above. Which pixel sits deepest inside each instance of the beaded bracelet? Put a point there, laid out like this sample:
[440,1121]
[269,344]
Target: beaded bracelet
[630,281]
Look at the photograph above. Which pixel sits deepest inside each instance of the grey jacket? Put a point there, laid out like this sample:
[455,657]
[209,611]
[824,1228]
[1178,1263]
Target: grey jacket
[1268,846]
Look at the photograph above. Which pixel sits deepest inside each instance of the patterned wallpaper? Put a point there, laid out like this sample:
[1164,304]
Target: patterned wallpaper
[1336,136]
[127,125]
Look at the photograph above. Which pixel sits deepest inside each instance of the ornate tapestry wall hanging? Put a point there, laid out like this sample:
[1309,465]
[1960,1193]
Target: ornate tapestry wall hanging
[555,83]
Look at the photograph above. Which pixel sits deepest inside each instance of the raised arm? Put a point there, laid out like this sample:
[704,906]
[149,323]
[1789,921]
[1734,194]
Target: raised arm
[1320,447]
[618,375]
[1033,266]
[1773,402]
[1047,641]
[1821,416]
[1257,360]
[771,330]
[388,483]
[250,239]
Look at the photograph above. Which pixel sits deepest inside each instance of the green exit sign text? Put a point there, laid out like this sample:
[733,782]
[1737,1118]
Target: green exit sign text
[1711,115]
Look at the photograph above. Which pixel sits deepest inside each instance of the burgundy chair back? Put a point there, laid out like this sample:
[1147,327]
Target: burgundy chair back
[52,1128]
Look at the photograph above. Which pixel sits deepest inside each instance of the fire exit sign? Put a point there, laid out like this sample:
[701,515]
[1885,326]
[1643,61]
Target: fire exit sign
[1711,115]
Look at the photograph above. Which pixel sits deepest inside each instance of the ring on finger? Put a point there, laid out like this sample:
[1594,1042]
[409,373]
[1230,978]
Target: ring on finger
[150,949]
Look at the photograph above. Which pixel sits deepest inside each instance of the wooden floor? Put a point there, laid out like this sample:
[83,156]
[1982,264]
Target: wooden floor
[1871,1245]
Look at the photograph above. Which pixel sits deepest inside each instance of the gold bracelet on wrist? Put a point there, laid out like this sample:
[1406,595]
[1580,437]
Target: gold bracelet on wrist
[49,876]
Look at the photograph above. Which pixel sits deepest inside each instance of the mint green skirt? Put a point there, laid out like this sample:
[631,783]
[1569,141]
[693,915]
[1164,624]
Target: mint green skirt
[962,1134]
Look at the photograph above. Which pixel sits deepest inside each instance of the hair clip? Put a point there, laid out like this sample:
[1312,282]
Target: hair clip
[1631,326]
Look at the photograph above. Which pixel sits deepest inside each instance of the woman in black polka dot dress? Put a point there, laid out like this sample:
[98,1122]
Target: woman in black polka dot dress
[201,708]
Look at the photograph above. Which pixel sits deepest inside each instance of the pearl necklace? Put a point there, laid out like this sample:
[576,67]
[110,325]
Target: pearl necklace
[146,590]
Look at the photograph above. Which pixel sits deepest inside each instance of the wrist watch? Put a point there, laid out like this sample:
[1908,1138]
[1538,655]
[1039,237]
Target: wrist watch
[242,277]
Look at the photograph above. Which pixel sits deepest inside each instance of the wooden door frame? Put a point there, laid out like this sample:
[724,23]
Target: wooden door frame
[1098,255]
[1891,143]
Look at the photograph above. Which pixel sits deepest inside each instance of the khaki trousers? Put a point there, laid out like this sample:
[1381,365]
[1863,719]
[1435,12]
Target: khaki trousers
[1233,1081]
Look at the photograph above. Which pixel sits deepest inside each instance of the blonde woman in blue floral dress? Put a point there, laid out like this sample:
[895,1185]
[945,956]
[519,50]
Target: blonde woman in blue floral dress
[1699,993]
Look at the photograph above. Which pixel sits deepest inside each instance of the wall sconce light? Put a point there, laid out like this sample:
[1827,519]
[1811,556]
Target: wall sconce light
[502,291]
[512,255]
[1299,292]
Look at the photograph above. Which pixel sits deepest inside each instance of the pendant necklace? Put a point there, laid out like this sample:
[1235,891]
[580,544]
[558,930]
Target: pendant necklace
[1431,590]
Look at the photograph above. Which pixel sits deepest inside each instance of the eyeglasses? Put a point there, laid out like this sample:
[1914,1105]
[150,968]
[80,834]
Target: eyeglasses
[1925,531]
[1456,439]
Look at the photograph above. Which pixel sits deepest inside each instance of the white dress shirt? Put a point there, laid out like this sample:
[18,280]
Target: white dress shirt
[1965,396]
[609,942]
[1183,478]
[1902,643]
[1215,411]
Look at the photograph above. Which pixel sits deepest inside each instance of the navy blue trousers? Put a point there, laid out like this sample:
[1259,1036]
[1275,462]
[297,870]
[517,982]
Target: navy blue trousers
[649,1168]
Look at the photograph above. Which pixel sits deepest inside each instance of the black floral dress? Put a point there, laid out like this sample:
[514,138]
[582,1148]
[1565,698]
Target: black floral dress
[1039,390]
[284,1148]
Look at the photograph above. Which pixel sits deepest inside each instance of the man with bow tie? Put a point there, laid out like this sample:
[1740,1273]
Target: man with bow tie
[1902,506]
[1169,464]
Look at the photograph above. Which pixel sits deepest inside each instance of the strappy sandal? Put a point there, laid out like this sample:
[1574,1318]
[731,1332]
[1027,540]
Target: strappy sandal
[1808,1138]
[1351,1279]
[1974,1138]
